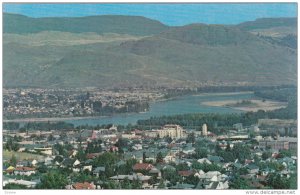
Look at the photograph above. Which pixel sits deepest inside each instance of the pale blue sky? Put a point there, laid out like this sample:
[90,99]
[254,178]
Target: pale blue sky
[170,14]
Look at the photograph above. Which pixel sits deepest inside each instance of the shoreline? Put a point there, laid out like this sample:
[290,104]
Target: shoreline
[52,119]
[267,105]
[57,119]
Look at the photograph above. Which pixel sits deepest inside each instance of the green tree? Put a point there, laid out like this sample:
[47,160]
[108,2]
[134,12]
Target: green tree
[191,138]
[200,153]
[285,153]
[171,175]
[277,181]
[159,158]
[53,180]
[11,144]
[13,160]
[266,155]
[14,186]
[42,168]
[161,185]
[239,183]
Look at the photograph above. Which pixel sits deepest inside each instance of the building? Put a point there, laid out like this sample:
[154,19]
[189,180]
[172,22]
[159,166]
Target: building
[173,131]
[24,171]
[151,134]
[274,144]
[81,186]
[204,130]
[254,128]
[142,166]
[291,140]
[238,126]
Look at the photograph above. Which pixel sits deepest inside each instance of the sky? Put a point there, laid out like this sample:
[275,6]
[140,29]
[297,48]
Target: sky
[170,14]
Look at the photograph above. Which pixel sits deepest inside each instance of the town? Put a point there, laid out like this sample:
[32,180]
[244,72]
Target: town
[259,156]
[41,103]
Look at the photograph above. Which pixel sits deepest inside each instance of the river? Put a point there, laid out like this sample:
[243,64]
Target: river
[179,105]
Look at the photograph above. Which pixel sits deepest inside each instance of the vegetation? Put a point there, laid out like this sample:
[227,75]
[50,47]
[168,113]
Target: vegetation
[11,145]
[148,61]
[264,23]
[132,25]
[53,180]
[19,155]
[14,186]
[242,103]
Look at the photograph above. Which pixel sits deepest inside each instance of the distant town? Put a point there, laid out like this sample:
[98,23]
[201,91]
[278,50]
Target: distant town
[26,103]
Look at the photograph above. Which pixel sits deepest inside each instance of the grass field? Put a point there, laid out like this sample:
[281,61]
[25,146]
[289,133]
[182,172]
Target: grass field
[20,155]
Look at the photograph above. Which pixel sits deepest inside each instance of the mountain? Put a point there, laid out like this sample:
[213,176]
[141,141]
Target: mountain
[224,54]
[280,31]
[267,23]
[191,55]
[132,25]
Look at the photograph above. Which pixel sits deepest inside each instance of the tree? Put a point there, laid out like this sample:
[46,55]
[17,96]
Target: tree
[241,152]
[81,155]
[144,157]
[168,139]
[159,158]
[200,153]
[266,155]
[125,184]
[14,186]
[161,185]
[121,143]
[11,145]
[276,181]
[53,180]
[171,175]
[50,138]
[13,160]
[191,138]
[285,153]
[239,183]
[42,168]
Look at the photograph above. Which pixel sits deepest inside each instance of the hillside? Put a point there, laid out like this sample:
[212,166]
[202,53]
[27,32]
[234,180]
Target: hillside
[132,25]
[279,31]
[268,23]
[217,53]
[191,55]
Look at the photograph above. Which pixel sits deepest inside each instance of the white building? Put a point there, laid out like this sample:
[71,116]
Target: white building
[204,130]
[173,131]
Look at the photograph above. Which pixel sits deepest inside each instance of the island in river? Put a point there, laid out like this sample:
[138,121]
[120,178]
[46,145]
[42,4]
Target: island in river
[251,105]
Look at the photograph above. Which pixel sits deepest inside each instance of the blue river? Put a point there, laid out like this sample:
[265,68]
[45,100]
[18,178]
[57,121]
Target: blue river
[179,105]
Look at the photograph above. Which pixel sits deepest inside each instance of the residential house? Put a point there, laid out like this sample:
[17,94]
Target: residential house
[48,160]
[217,185]
[185,186]
[186,173]
[10,170]
[142,166]
[139,177]
[24,171]
[215,159]
[98,171]
[204,160]
[252,168]
[155,172]
[28,184]
[82,186]
[87,167]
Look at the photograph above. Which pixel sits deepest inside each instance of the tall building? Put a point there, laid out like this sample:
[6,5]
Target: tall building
[204,129]
[173,131]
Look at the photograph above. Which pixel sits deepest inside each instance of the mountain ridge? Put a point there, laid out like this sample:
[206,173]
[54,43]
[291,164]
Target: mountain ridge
[190,55]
